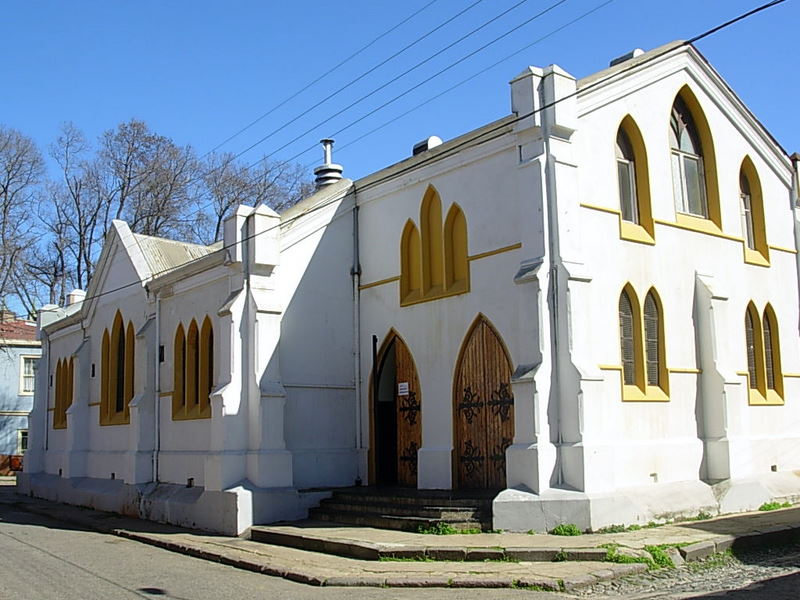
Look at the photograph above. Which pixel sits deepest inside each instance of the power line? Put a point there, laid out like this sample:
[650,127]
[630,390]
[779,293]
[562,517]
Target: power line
[475,140]
[360,77]
[471,77]
[321,77]
[423,82]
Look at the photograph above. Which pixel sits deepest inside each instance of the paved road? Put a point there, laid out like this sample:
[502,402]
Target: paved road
[44,559]
[771,573]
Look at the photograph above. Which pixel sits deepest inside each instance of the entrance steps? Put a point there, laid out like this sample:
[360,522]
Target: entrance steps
[408,509]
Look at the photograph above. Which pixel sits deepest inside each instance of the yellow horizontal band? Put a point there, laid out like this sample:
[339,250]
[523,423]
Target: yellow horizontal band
[366,286]
[488,253]
[94,404]
[781,249]
[683,370]
[613,211]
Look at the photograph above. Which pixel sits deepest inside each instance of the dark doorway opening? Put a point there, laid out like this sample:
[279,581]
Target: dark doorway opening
[386,418]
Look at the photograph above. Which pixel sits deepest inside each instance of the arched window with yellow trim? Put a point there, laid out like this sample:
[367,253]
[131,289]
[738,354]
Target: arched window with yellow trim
[432,242]
[694,170]
[434,261]
[192,370]
[59,395]
[117,373]
[628,339]
[206,376]
[762,344]
[751,203]
[642,349]
[456,265]
[178,366]
[633,180]
[410,264]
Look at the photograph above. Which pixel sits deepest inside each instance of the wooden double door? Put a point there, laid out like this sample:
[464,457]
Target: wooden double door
[483,412]
[483,408]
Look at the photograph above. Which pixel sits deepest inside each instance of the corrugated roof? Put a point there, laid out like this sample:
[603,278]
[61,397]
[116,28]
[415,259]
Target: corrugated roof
[164,255]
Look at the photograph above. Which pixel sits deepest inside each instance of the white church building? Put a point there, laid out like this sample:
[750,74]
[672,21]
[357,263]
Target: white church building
[589,306]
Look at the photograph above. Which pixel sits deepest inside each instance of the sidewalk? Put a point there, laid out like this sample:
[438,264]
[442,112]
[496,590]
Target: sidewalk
[400,559]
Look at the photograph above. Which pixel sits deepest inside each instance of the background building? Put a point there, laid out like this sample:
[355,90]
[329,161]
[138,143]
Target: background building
[19,353]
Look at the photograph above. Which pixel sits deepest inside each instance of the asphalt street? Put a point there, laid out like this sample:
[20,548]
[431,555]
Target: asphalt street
[47,560]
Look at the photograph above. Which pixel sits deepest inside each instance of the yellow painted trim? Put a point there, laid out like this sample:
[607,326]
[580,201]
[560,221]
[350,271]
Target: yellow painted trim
[94,403]
[796,375]
[781,249]
[190,417]
[14,413]
[366,286]
[756,398]
[613,211]
[652,393]
[481,255]
[435,294]
[754,257]
[699,225]
[743,373]
[633,232]
[610,367]
[683,370]
[165,395]
[51,409]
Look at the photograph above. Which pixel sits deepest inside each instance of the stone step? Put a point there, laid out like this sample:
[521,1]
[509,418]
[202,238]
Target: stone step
[442,513]
[396,522]
[415,497]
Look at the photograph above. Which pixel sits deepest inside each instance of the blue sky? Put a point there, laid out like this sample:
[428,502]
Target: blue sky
[199,71]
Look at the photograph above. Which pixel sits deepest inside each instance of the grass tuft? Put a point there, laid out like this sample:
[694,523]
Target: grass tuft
[774,506]
[566,529]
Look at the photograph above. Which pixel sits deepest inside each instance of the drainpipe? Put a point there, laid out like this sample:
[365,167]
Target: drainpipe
[46,344]
[356,275]
[157,403]
[795,198]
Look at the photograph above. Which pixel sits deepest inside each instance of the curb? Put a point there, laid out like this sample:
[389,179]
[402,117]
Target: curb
[249,561]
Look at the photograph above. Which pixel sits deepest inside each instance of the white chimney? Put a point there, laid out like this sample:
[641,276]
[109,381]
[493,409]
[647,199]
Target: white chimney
[75,296]
[328,172]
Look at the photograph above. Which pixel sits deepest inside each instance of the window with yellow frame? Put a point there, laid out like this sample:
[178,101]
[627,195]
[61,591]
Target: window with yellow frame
[64,390]
[636,219]
[117,372]
[193,371]
[433,258]
[762,342]
[643,356]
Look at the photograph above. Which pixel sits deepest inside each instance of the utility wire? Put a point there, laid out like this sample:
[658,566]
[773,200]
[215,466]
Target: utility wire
[359,78]
[321,77]
[468,79]
[423,82]
[480,138]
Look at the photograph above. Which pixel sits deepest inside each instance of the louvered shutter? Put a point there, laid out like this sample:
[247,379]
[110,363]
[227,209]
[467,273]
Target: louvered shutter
[751,349]
[768,356]
[651,340]
[626,339]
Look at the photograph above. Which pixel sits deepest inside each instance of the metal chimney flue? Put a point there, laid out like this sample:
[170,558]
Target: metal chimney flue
[328,172]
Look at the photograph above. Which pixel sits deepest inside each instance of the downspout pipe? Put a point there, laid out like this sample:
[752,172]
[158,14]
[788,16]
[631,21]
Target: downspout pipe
[157,399]
[355,273]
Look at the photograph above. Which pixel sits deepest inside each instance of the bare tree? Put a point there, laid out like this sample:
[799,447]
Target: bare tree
[21,169]
[226,184]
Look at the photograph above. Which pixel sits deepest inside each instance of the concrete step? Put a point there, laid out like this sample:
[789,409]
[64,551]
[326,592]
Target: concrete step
[396,522]
[441,513]
[478,499]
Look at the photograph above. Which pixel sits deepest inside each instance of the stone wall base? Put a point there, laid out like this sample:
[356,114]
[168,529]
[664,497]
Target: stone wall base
[228,512]
[522,510]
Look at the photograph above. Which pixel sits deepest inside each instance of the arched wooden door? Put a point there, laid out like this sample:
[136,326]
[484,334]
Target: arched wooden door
[397,415]
[483,409]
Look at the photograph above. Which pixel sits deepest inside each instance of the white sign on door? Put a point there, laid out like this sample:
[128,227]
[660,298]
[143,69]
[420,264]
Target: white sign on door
[402,388]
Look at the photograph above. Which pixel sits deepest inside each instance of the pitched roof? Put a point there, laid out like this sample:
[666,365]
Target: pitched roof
[164,255]
[18,331]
